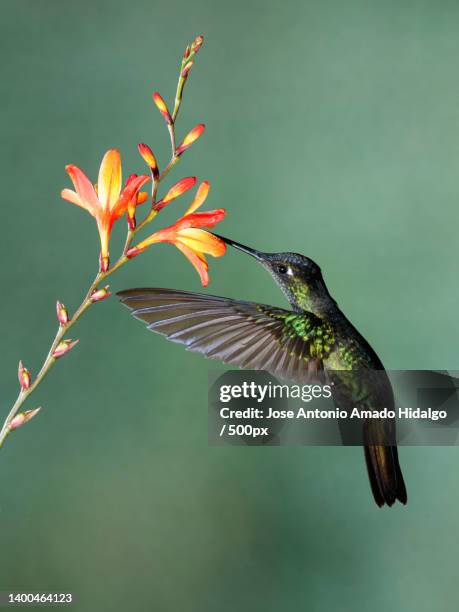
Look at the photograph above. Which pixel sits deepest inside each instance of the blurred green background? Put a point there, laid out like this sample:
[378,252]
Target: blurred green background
[332,130]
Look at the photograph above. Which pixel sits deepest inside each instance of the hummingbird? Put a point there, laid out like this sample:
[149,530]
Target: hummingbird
[313,336]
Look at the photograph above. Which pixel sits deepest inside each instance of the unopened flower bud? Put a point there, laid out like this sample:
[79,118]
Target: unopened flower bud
[162,107]
[100,294]
[191,137]
[62,314]
[23,376]
[187,52]
[197,43]
[63,347]
[176,191]
[148,157]
[22,418]
[187,69]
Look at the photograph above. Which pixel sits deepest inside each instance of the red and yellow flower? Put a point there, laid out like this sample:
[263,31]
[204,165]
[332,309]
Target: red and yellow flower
[107,202]
[186,234]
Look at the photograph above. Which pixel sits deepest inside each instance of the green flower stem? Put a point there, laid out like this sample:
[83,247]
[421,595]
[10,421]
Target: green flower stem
[180,85]
[178,95]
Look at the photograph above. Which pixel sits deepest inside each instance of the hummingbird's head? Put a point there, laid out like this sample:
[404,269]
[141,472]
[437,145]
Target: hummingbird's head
[299,277]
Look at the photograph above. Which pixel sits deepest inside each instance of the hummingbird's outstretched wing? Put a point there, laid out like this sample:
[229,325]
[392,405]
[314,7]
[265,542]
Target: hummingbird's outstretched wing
[254,336]
[245,334]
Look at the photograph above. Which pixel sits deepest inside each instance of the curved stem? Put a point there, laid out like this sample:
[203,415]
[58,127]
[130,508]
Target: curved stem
[129,237]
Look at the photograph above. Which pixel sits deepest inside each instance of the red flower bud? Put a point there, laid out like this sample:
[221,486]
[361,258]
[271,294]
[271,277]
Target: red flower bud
[175,191]
[22,418]
[63,347]
[191,137]
[148,157]
[100,294]
[197,43]
[62,314]
[162,107]
[187,69]
[23,377]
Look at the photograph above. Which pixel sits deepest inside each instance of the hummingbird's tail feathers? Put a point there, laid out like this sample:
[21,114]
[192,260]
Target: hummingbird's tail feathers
[246,334]
[385,475]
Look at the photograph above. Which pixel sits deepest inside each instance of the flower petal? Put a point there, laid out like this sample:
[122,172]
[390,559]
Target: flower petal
[142,197]
[197,260]
[84,189]
[201,219]
[200,197]
[168,234]
[73,197]
[109,183]
[201,241]
[172,233]
[131,205]
[128,194]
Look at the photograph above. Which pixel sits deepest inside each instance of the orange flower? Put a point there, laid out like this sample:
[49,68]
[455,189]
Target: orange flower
[109,203]
[187,236]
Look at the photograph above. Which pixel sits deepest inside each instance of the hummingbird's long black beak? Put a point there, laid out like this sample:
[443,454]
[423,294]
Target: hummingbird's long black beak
[240,247]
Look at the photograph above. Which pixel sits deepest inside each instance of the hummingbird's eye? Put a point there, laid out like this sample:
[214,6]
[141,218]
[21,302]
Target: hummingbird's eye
[282,269]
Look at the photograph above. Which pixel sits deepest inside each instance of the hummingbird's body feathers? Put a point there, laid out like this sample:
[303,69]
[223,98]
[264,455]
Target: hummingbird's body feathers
[314,335]
[245,334]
